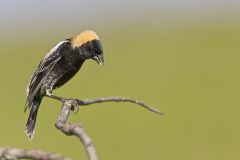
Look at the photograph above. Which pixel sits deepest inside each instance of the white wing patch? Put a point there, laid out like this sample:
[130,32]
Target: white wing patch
[48,54]
[33,93]
[54,49]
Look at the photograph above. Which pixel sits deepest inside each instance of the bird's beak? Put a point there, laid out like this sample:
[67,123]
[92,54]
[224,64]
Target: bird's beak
[99,59]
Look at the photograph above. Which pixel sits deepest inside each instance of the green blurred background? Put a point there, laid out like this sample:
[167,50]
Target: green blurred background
[181,57]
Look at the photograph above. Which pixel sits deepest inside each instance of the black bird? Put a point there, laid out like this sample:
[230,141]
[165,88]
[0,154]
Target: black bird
[57,67]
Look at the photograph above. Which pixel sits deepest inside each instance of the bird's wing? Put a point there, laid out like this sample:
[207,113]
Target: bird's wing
[42,71]
[38,79]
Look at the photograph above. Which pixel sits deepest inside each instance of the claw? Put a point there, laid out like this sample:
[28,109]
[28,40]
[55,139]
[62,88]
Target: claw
[75,109]
[49,92]
[74,106]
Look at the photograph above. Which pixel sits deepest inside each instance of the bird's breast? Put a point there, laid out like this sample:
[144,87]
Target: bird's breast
[66,71]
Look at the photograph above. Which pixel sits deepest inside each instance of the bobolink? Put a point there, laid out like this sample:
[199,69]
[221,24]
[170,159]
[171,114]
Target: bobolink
[57,67]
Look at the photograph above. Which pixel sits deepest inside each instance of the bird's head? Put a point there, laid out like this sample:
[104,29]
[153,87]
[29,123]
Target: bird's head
[89,45]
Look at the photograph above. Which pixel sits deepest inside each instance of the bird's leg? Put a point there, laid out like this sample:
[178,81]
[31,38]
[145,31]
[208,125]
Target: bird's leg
[50,95]
[73,103]
[56,97]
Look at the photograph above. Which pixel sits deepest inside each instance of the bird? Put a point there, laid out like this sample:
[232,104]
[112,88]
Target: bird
[61,63]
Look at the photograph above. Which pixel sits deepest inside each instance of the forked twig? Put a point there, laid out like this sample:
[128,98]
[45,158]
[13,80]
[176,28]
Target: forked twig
[73,129]
[69,129]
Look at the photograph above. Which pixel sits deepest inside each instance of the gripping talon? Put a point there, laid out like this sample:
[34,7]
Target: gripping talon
[49,93]
[74,106]
[75,109]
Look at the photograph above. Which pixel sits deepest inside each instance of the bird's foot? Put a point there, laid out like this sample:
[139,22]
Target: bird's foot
[74,105]
[49,92]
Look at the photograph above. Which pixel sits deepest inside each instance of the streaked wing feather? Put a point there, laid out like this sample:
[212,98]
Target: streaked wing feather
[45,62]
[44,70]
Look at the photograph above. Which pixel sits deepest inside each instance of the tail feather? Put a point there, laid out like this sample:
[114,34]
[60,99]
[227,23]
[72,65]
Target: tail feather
[30,126]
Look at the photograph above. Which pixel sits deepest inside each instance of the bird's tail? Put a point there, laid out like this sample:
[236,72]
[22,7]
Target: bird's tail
[30,126]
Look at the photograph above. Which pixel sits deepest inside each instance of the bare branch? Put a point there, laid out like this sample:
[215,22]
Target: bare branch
[119,99]
[15,153]
[110,99]
[70,129]
[73,129]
